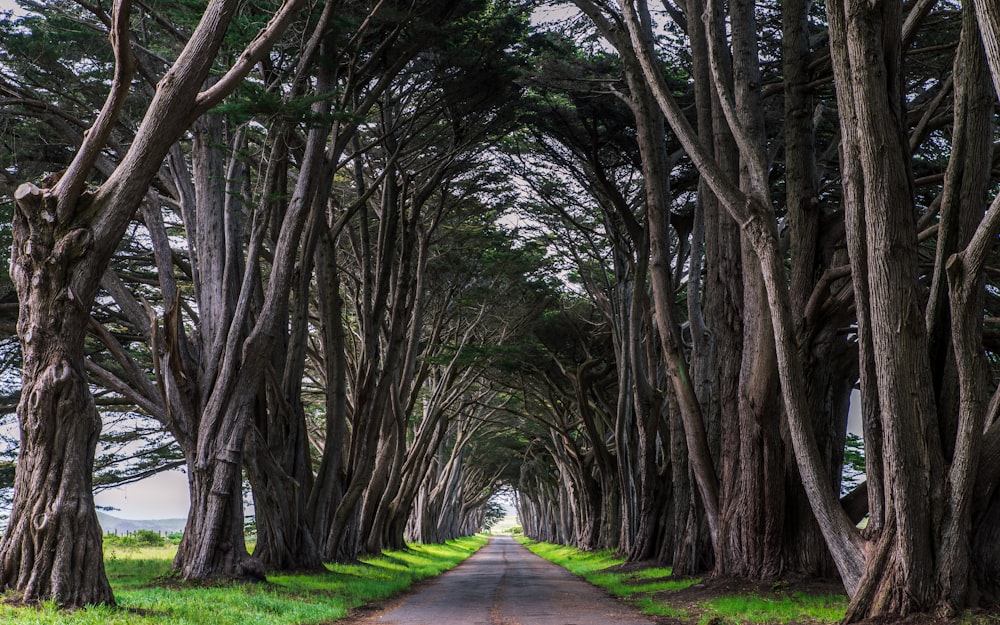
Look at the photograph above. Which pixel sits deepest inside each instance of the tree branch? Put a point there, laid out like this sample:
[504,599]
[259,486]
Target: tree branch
[251,55]
[72,184]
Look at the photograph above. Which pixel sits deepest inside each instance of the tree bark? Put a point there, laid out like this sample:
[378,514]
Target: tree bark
[753,502]
[649,127]
[827,353]
[213,545]
[52,546]
[869,35]
[278,461]
[961,566]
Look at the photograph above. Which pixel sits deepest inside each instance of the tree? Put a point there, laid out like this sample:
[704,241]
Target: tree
[920,563]
[895,572]
[64,236]
[587,175]
[413,184]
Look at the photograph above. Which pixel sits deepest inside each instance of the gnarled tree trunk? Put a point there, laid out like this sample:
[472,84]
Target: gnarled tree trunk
[52,546]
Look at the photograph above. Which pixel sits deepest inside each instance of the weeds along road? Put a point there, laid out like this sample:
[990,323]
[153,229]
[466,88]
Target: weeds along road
[505,584]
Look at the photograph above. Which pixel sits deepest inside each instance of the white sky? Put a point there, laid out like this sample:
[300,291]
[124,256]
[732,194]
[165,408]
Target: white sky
[854,424]
[163,496]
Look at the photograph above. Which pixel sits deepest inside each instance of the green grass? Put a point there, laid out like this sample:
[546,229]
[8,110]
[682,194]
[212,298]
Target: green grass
[638,586]
[649,590]
[656,607]
[781,608]
[283,600]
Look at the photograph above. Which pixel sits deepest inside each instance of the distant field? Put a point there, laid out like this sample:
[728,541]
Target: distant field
[143,599]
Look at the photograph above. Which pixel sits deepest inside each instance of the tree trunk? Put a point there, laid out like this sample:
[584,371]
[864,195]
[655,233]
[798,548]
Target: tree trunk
[329,484]
[52,546]
[647,402]
[284,538]
[278,461]
[965,564]
[904,580]
[650,131]
[215,436]
[213,546]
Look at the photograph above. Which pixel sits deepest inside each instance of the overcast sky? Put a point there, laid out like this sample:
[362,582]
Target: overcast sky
[163,496]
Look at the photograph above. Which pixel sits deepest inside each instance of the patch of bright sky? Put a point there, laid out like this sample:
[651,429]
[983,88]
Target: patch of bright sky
[10,5]
[163,496]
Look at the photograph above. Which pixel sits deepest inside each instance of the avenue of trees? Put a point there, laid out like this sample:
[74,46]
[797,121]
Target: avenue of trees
[378,262]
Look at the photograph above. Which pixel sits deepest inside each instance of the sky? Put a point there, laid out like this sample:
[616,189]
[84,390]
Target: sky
[163,496]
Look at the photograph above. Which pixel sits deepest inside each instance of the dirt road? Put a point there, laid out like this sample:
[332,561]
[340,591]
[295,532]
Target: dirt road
[505,584]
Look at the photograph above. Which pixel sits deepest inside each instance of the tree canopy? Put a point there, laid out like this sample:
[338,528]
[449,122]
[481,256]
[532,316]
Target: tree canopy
[634,265]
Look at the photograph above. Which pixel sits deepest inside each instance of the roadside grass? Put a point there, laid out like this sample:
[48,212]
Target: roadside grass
[654,592]
[781,608]
[639,586]
[144,598]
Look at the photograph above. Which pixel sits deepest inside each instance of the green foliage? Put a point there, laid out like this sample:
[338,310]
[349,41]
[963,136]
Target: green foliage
[132,447]
[495,512]
[284,600]
[148,538]
[6,240]
[854,453]
[133,541]
[8,441]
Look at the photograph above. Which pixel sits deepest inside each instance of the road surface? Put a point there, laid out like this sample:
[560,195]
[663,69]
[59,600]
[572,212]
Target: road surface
[505,584]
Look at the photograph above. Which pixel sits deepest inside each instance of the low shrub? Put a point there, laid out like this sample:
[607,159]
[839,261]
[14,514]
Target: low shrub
[135,540]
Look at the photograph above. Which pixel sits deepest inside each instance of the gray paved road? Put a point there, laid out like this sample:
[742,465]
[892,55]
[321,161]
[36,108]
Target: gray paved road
[505,584]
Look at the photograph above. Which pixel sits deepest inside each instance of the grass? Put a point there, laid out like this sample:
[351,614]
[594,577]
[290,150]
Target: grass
[781,608]
[638,586]
[649,589]
[582,563]
[283,600]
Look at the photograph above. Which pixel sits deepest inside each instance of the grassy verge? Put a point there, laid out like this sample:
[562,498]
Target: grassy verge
[797,607]
[655,592]
[284,600]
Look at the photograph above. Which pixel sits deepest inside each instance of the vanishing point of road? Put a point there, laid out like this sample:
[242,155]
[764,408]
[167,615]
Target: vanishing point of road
[505,584]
